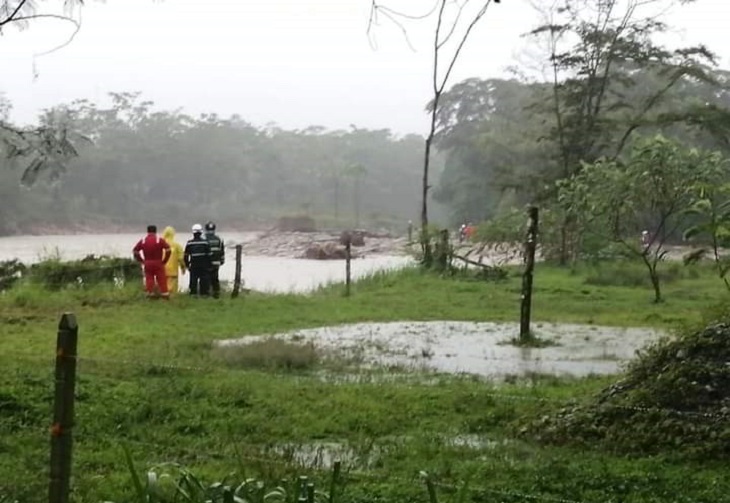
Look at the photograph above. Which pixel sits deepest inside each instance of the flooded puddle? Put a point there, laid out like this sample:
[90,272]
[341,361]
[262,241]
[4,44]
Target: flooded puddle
[323,455]
[473,348]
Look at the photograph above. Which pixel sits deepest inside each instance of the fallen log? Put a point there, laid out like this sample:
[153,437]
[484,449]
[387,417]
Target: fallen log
[473,262]
[488,272]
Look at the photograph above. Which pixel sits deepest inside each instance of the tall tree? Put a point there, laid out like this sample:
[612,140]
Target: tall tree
[449,39]
[48,147]
[595,49]
[490,141]
[651,191]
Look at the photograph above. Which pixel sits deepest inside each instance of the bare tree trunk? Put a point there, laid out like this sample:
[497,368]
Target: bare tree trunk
[424,186]
[655,283]
[425,238]
[357,202]
[337,200]
[651,266]
[441,37]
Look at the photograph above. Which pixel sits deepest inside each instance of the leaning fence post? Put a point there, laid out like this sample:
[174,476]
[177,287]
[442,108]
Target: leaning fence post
[63,409]
[348,258]
[530,245]
[237,277]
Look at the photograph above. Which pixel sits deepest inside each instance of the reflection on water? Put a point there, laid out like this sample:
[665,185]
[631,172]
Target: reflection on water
[259,273]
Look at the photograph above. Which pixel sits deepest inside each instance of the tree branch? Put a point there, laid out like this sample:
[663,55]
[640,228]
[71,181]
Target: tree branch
[469,28]
[453,25]
[436,47]
[647,107]
[11,18]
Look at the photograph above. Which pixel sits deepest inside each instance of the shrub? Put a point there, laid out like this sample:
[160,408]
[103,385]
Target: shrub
[269,353]
[675,397]
[10,272]
[634,274]
[55,274]
[172,482]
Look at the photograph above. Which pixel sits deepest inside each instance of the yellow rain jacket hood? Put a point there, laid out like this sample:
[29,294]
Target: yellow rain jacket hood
[176,260]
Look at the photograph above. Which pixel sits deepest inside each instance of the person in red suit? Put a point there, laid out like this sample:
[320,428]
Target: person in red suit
[153,252]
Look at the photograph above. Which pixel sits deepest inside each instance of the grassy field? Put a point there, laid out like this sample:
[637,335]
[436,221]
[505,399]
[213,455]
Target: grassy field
[149,380]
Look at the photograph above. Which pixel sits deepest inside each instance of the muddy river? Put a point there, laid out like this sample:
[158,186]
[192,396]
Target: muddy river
[261,273]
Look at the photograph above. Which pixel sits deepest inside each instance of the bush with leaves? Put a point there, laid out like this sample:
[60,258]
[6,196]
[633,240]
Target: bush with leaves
[172,482]
[711,223]
[674,398]
[652,190]
[55,274]
[10,272]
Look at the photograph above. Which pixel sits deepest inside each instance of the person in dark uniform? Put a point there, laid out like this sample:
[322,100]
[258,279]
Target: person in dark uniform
[218,257]
[197,259]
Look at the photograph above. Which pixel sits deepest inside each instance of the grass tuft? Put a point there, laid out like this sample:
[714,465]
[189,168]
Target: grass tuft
[269,354]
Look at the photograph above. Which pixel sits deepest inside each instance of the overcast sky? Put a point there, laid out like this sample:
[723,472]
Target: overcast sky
[292,62]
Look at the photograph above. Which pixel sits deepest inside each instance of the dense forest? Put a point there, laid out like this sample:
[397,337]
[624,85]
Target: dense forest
[135,165]
[603,87]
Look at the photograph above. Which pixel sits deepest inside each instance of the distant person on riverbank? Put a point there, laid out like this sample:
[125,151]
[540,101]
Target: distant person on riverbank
[153,252]
[197,260]
[645,239]
[176,263]
[217,259]
[462,233]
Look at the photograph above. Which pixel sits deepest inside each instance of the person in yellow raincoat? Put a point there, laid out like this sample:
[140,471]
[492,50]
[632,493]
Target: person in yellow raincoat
[176,263]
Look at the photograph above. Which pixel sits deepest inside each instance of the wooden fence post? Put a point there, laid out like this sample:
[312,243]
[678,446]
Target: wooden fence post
[237,277]
[530,245]
[348,259]
[63,410]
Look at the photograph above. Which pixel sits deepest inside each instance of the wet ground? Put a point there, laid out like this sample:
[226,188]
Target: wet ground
[474,348]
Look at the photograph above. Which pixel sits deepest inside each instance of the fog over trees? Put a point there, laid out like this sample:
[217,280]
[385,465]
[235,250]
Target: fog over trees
[134,161]
[599,82]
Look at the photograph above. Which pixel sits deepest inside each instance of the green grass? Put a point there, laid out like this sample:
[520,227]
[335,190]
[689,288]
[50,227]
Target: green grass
[149,379]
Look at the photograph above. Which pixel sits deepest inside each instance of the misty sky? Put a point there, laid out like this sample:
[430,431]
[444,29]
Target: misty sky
[292,62]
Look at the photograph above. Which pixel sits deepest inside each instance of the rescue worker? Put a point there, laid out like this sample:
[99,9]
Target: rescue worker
[462,233]
[153,252]
[176,264]
[218,257]
[197,260]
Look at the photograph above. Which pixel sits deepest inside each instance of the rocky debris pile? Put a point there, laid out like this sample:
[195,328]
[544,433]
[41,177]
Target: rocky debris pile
[324,245]
[325,251]
[675,397]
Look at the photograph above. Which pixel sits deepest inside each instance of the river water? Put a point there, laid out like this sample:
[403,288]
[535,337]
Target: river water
[269,274]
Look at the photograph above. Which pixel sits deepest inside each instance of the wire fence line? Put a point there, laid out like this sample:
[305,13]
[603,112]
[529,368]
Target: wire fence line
[347,473]
[511,494]
[84,438]
[207,370]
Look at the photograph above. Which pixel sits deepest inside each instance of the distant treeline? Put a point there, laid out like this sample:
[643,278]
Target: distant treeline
[141,165]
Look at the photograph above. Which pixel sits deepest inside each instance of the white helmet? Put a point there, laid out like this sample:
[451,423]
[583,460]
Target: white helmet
[197,228]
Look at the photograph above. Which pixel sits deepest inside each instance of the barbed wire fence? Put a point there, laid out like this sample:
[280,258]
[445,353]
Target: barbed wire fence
[63,432]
